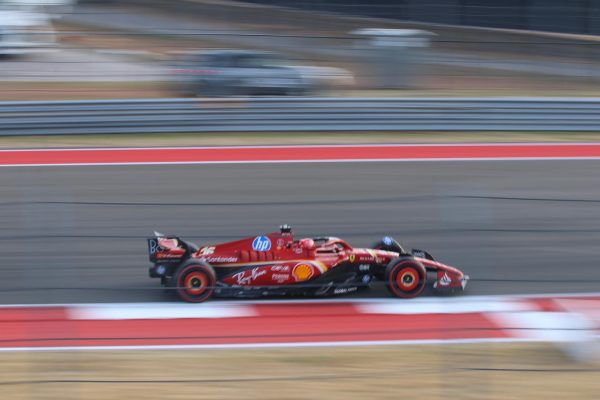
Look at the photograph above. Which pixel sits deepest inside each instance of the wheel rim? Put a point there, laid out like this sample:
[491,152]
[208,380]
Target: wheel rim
[195,283]
[407,279]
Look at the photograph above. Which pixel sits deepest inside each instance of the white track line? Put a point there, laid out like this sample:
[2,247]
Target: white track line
[546,326]
[161,311]
[232,303]
[406,160]
[275,345]
[310,146]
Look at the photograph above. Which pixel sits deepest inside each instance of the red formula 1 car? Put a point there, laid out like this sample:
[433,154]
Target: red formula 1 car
[278,264]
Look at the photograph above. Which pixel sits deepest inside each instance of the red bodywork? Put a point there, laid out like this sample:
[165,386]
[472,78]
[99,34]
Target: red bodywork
[279,260]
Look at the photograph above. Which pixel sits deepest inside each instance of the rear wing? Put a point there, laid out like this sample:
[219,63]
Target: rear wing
[167,250]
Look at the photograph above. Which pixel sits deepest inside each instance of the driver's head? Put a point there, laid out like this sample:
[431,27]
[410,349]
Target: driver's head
[307,244]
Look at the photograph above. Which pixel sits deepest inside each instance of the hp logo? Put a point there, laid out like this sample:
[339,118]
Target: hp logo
[261,243]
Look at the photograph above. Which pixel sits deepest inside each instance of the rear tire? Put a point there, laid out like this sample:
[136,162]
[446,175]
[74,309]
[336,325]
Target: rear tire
[194,281]
[405,277]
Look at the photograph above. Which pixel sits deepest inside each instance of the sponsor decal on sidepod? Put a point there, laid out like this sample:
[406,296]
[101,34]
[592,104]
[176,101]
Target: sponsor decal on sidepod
[261,243]
[302,272]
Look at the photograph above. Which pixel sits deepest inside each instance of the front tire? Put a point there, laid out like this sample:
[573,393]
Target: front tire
[194,281]
[405,277]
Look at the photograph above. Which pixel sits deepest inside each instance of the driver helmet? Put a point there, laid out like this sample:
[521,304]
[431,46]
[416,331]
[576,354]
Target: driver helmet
[307,244]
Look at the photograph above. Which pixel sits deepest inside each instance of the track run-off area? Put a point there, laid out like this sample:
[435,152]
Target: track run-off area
[522,220]
[220,325]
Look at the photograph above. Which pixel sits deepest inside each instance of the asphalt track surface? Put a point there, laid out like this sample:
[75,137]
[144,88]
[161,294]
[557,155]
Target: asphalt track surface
[77,234]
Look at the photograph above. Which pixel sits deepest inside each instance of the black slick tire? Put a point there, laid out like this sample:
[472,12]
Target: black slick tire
[405,277]
[194,281]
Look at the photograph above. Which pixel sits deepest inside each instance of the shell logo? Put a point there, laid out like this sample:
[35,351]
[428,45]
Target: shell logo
[302,272]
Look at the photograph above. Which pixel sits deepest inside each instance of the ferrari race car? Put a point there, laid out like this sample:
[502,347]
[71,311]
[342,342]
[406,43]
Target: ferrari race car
[278,264]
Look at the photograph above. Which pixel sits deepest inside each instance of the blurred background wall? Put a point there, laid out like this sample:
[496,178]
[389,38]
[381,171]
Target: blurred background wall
[569,16]
[136,48]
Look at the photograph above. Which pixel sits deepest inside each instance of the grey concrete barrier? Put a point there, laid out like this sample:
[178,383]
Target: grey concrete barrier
[290,114]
